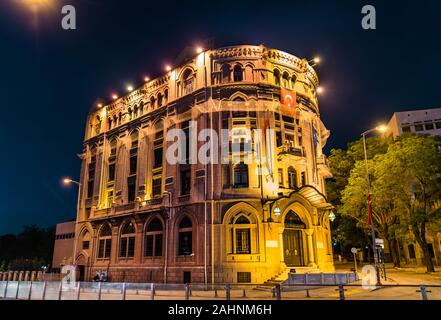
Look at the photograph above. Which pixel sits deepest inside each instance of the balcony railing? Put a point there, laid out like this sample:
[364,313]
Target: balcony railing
[291,150]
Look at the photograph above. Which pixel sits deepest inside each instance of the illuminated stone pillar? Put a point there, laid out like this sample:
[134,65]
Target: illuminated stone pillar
[309,233]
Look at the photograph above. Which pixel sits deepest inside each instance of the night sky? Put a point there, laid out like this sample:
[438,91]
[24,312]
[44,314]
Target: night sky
[50,77]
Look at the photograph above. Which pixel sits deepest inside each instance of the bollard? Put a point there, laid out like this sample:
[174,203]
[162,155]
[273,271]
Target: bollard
[152,291]
[18,288]
[278,292]
[30,291]
[228,292]
[6,289]
[215,293]
[60,290]
[43,295]
[341,292]
[78,290]
[187,291]
[307,293]
[99,290]
[124,291]
[423,292]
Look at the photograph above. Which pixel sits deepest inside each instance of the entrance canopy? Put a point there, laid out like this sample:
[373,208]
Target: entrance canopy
[315,197]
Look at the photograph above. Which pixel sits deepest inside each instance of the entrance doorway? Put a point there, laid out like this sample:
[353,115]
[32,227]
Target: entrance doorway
[81,272]
[292,240]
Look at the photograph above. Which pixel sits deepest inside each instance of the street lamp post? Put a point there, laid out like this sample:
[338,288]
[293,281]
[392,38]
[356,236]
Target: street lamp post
[374,246]
[69,181]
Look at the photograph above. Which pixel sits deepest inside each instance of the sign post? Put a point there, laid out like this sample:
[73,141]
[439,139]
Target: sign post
[354,251]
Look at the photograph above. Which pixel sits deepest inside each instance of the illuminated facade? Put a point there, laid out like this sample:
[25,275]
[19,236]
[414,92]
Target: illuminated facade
[143,219]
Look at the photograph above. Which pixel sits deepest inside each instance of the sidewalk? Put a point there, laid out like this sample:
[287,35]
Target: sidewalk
[404,275]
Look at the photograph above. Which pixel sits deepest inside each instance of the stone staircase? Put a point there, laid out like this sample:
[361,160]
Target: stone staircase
[283,276]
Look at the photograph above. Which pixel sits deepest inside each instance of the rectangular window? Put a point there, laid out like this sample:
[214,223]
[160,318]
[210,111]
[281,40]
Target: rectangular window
[241,175]
[278,138]
[131,188]
[158,245]
[108,247]
[243,277]
[243,241]
[406,129]
[185,243]
[101,249]
[157,186]
[438,125]
[419,127]
[111,172]
[158,158]
[429,126]
[109,198]
[148,246]
[86,245]
[90,184]
[225,119]
[123,247]
[131,247]
[185,181]
[133,164]
[280,172]
[303,178]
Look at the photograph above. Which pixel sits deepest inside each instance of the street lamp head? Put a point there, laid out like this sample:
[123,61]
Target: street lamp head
[320,90]
[317,60]
[199,49]
[381,128]
[332,216]
[67,181]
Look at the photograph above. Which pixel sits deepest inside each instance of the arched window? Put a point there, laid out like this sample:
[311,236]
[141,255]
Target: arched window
[127,241]
[187,82]
[241,175]
[152,103]
[185,238]
[105,242]
[153,239]
[277,77]
[292,178]
[160,96]
[285,78]
[225,73]
[237,73]
[293,81]
[243,234]
[85,240]
[165,96]
[249,73]
[109,123]
[293,221]
[130,113]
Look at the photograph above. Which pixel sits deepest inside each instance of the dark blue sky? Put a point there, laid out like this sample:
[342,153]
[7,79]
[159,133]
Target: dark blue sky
[49,77]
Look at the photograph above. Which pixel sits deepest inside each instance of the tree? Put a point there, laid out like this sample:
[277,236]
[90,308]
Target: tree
[354,204]
[412,170]
[341,162]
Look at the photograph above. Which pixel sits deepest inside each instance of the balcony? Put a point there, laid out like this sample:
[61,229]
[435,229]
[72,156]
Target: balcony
[287,149]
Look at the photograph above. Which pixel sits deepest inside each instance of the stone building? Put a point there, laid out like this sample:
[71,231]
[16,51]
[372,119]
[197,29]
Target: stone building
[63,245]
[142,218]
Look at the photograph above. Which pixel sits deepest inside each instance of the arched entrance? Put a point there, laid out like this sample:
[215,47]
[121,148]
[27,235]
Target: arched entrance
[292,240]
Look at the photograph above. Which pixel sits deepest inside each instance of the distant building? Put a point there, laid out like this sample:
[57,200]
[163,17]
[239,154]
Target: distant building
[424,121]
[63,247]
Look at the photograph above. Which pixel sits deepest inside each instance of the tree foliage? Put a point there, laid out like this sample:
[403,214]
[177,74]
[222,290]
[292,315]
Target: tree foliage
[30,249]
